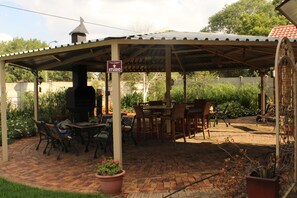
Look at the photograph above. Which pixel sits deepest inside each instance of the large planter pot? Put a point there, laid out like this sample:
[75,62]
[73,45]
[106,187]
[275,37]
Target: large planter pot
[111,185]
[259,187]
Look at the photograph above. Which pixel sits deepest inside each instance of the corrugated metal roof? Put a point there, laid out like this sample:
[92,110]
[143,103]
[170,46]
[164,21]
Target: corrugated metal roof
[174,35]
[167,35]
[191,51]
[170,35]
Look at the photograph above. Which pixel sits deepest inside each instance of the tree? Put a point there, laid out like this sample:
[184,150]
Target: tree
[247,17]
[16,73]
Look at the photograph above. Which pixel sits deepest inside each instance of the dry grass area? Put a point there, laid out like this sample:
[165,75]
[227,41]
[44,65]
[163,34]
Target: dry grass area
[243,130]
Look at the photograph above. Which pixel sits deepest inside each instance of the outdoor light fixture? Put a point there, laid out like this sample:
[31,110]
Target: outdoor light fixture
[288,9]
[49,44]
[40,80]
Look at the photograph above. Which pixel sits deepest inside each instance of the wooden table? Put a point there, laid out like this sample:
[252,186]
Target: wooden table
[85,127]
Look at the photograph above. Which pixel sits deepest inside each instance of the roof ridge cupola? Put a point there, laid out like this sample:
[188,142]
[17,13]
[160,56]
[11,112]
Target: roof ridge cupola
[79,33]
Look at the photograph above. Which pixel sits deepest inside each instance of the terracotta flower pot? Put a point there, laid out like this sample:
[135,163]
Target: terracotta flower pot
[111,185]
[259,187]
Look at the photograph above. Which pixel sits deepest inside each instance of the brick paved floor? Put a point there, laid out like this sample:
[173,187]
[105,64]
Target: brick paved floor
[153,169]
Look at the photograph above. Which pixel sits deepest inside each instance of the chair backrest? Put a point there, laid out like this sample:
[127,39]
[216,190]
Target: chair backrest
[178,111]
[41,128]
[199,103]
[206,108]
[128,121]
[108,128]
[139,111]
[226,109]
[155,103]
[104,118]
[53,131]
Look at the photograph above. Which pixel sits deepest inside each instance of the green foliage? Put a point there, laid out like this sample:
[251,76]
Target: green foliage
[132,79]
[57,75]
[15,190]
[219,93]
[247,17]
[177,95]
[109,168]
[16,74]
[247,96]
[27,102]
[196,83]
[242,100]
[129,100]
[52,103]
[20,121]
[157,86]
[20,126]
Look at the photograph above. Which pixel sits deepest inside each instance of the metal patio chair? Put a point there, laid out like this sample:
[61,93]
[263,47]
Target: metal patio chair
[127,127]
[43,134]
[104,138]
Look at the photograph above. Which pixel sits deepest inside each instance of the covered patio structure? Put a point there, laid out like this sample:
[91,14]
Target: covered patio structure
[168,52]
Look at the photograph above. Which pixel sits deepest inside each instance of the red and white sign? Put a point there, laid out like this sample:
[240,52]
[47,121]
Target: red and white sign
[114,66]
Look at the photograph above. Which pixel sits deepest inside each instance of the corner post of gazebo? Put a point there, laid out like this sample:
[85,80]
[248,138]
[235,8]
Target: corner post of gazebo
[116,106]
[168,74]
[106,93]
[185,86]
[3,113]
[263,94]
[168,82]
[36,96]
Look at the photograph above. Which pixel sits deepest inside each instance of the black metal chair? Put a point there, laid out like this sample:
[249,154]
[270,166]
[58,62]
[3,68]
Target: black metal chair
[269,115]
[58,140]
[43,134]
[104,118]
[128,126]
[103,138]
[222,115]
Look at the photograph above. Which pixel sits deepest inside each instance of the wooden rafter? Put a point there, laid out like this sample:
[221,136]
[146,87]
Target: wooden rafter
[221,53]
[73,59]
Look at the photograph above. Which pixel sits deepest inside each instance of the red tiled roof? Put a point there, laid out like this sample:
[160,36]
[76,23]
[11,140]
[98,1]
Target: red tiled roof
[289,31]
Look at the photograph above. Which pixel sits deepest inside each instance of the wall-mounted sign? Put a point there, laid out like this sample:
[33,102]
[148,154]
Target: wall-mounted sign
[114,66]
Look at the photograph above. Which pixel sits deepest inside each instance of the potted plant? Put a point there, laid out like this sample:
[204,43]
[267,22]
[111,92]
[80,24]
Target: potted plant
[263,181]
[243,176]
[110,175]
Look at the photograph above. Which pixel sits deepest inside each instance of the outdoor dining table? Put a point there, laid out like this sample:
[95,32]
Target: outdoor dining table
[163,110]
[85,127]
[156,107]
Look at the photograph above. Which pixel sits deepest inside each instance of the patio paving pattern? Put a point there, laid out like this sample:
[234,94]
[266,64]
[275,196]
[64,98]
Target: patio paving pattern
[153,169]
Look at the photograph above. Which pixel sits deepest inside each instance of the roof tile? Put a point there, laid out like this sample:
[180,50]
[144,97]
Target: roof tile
[289,31]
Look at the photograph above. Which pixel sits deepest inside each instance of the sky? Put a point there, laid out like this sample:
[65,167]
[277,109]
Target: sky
[127,17]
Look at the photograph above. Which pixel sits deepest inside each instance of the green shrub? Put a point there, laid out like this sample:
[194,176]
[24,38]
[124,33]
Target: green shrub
[242,100]
[20,121]
[219,93]
[20,127]
[129,100]
[247,96]
[52,103]
[177,95]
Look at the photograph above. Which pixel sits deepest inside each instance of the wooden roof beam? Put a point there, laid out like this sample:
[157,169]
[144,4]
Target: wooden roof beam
[220,53]
[73,59]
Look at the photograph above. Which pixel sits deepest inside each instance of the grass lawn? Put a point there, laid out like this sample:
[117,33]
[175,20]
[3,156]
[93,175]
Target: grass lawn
[14,190]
